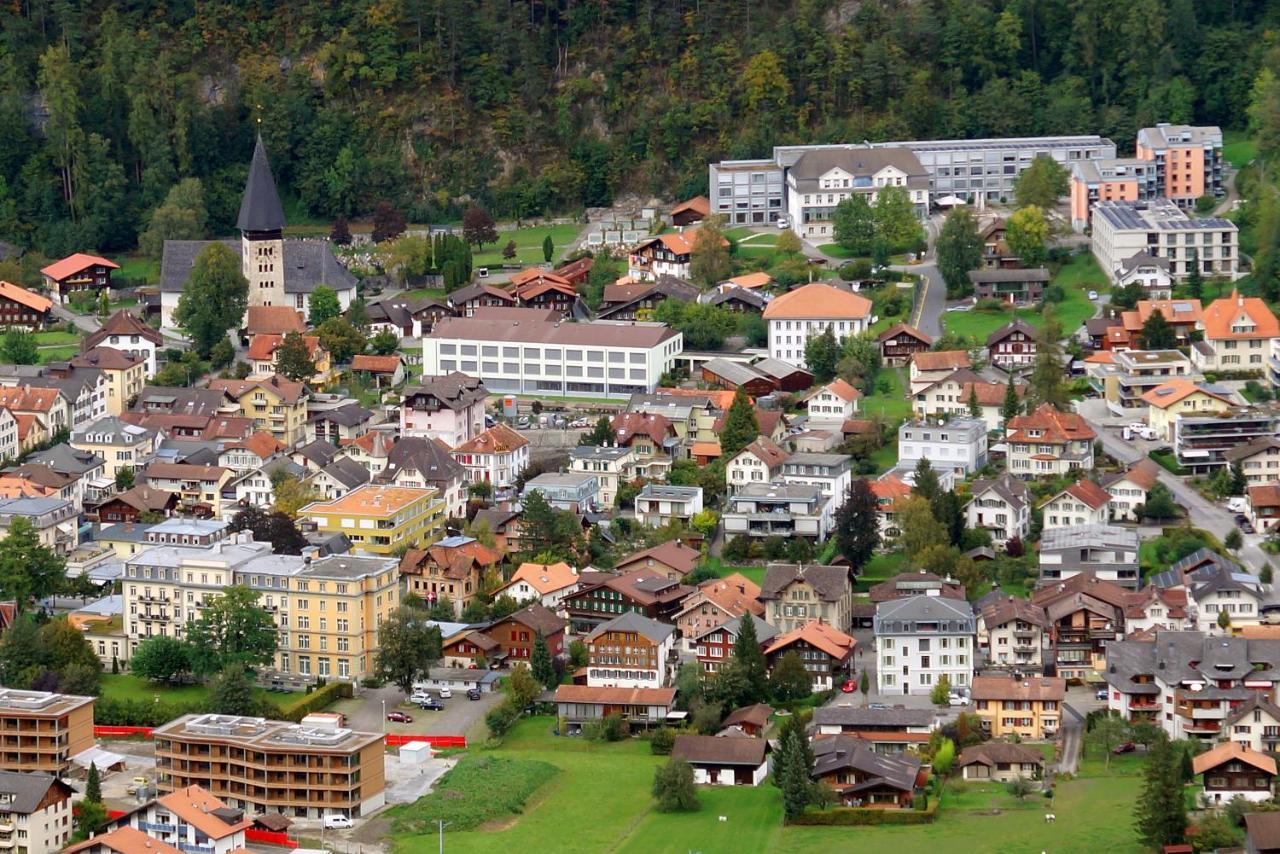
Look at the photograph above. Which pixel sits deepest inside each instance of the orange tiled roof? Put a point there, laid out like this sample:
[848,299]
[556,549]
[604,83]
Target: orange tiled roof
[375,364]
[533,274]
[1230,751]
[288,391]
[888,490]
[818,301]
[27,398]
[263,347]
[1167,394]
[1101,357]
[261,443]
[274,319]
[705,449]
[195,806]
[940,360]
[1054,427]
[73,264]
[498,439]
[825,637]
[545,577]
[371,500]
[126,840]
[735,593]
[698,204]
[1265,495]
[8,290]
[767,451]
[1089,492]
[841,389]
[720,398]
[627,425]
[1224,314]
[749,281]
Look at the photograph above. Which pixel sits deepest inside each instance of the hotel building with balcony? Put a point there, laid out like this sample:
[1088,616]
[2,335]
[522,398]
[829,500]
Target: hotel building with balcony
[40,731]
[273,766]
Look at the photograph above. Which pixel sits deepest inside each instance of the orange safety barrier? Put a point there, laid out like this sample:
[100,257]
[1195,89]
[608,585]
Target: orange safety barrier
[433,740]
[270,837]
[121,731]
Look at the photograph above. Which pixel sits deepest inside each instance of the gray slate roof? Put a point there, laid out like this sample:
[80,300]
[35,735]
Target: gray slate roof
[27,790]
[1008,487]
[307,265]
[843,751]
[632,622]
[348,472]
[862,716]
[260,208]
[830,582]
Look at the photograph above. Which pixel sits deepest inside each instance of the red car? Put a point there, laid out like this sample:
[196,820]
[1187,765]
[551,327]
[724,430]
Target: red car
[848,687]
[400,717]
[1127,747]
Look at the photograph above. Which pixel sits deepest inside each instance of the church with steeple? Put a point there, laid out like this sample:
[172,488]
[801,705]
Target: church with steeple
[281,271]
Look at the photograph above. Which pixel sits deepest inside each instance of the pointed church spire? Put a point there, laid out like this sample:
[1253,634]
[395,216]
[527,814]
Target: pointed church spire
[260,209]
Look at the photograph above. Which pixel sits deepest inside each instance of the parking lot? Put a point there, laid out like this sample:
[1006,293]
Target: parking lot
[459,717]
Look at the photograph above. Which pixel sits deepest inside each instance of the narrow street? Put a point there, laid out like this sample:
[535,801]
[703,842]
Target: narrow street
[1201,512]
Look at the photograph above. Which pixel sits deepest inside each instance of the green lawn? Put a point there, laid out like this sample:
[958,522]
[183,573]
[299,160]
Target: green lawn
[1077,278]
[433,293]
[126,686]
[835,250]
[754,573]
[892,401]
[528,245]
[1237,148]
[52,337]
[482,787]
[56,354]
[886,457]
[140,268]
[881,567]
[600,801]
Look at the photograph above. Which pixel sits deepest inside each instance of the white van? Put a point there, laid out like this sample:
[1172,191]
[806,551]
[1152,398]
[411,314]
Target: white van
[333,821]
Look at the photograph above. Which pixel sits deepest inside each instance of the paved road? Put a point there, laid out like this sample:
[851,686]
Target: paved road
[1072,736]
[86,323]
[1203,513]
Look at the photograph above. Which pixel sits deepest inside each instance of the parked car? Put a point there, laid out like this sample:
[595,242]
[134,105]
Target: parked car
[473,693]
[332,821]
[1127,747]
[955,699]
[848,687]
[418,697]
[783,222]
[400,717]
[1093,295]
[1246,527]
[877,705]
[431,704]
[446,693]
[1101,694]
[137,783]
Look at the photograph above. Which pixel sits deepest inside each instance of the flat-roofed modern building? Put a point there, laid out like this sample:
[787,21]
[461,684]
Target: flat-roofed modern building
[1127,179]
[1160,229]
[755,192]
[41,731]
[520,351]
[1187,160]
[273,766]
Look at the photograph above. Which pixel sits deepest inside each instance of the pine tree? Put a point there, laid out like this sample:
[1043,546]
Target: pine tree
[1195,281]
[540,662]
[1046,385]
[857,525]
[1239,483]
[793,775]
[1161,814]
[975,408]
[740,426]
[926,481]
[93,785]
[548,248]
[746,652]
[1012,405]
[1157,334]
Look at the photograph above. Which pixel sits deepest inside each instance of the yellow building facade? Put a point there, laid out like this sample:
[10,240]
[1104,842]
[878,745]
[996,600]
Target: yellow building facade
[382,519]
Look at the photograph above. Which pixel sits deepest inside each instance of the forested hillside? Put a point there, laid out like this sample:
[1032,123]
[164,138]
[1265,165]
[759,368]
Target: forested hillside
[536,107]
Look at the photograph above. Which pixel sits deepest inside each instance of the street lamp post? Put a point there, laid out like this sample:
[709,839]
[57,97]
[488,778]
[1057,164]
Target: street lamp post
[443,824]
[384,716]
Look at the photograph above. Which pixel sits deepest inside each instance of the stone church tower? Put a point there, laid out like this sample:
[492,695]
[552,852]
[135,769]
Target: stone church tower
[261,225]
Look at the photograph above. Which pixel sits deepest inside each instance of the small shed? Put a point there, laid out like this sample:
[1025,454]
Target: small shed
[415,753]
[729,761]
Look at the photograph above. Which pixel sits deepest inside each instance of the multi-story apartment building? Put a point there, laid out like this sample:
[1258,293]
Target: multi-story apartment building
[1082,503]
[1085,615]
[35,812]
[1049,442]
[1028,708]
[1187,160]
[496,457]
[832,473]
[797,594]
[381,519]
[40,731]
[1201,442]
[1116,179]
[1259,460]
[920,640]
[777,510]
[954,393]
[1013,632]
[1161,229]
[1187,683]
[756,191]
[448,407]
[575,491]
[759,462]
[123,331]
[958,445]
[1128,489]
[714,646]
[55,521]
[715,602]
[124,374]
[1169,402]
[609,464]
[821,178]
[535,355]
[119,443]
[602,596]
[632,651]
[825,651]
[810,310]
[1108,552]
[1132,373]
[272,766]
[275,405]
[328,610]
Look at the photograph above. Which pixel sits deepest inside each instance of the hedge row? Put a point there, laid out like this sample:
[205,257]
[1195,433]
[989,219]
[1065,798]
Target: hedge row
[865,816]
[109,711]
[318,699]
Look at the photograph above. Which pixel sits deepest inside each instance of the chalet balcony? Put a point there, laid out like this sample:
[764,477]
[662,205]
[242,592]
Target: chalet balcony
[1143,704]
[1201,727]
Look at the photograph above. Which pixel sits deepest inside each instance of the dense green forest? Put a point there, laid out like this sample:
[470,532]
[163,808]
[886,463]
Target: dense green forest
[539,106]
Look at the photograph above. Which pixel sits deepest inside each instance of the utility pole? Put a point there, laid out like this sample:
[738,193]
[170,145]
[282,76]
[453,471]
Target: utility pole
[443,824]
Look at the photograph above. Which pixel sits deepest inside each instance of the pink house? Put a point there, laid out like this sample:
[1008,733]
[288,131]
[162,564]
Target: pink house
[449,408]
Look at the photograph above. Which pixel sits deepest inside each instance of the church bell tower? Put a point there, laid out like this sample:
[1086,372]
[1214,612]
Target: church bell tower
[261,225]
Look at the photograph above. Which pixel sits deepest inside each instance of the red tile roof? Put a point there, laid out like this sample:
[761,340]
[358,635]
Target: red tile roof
[375,364]
[698,204]
[1054,427]
[1224,314]
[10,291]
[818,301]
[263,347]
[940,360]
[498,439]
[823,636]
[261,443]
[627,425]
[1090,493]
[274,319]
[73,264]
